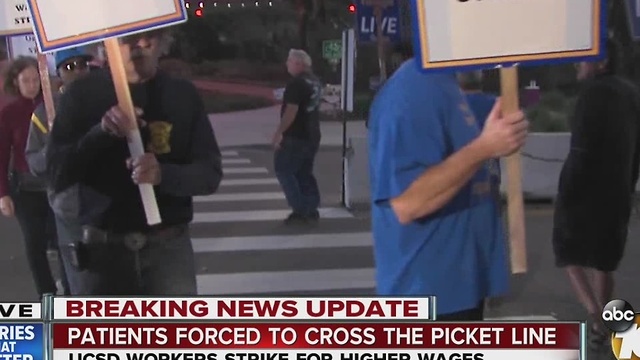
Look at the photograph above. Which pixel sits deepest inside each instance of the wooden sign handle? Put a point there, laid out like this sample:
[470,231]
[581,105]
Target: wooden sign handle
[45,84]
[377,11]
[515,201]
[133,135]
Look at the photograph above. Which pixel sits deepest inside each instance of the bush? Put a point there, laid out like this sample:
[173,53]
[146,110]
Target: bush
[176,67]
[552,113]
[205,68]
[544,120]
[217,102]
[554,100]
[361,104]
[241,70]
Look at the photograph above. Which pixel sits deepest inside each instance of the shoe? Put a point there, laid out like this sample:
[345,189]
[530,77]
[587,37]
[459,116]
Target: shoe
[598,337]
[295,219]
[314,216]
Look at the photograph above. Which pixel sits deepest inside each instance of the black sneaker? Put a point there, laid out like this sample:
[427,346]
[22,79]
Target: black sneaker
[314,216]
[295,219]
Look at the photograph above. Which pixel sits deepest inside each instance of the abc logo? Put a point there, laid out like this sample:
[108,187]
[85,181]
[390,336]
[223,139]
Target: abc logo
[618,315]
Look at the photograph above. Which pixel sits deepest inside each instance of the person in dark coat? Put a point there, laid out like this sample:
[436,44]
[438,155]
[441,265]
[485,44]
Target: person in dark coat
[596,186]
[71,64]
[95,180]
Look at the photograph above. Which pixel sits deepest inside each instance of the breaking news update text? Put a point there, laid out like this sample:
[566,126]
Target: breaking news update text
[207,328]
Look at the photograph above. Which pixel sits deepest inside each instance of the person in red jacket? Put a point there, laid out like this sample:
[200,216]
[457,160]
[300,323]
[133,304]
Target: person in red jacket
[21,193]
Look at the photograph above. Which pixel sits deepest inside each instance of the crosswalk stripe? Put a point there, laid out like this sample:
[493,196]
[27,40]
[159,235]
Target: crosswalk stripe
[283,281]
[245,170]
[235,161]
[248,196]
[281,242]
[263,215]
[245,182]
[239,230]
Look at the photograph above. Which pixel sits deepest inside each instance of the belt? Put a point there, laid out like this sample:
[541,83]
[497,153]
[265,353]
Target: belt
[134,241]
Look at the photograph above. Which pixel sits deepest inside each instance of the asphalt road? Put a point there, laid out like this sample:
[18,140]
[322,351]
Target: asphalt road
[242,248]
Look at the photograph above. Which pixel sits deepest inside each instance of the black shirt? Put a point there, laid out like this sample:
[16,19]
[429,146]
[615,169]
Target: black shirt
[304,90]
[178,132]
[601,171]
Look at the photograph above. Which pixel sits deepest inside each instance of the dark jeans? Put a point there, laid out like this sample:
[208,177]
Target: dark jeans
[293,163]
[164,266]
[37,222]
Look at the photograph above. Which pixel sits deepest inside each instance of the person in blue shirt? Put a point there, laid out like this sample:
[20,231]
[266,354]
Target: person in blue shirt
[481,104]
[435,224]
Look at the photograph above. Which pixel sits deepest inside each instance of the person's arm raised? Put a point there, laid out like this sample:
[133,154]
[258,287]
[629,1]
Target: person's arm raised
[502,135]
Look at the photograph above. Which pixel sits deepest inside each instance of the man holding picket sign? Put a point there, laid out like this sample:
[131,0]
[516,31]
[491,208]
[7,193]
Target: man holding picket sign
[128,149]
[88,158]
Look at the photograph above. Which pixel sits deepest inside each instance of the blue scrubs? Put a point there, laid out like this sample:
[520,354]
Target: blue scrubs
[457,254]
[481,105]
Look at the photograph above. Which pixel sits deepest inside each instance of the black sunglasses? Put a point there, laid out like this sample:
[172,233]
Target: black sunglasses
[77,64]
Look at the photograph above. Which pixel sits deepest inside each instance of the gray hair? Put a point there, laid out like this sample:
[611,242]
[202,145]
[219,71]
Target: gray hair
[471,80]
[301,56]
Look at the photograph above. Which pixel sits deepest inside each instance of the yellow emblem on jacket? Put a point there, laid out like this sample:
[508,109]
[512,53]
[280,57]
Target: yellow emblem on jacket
[160,134]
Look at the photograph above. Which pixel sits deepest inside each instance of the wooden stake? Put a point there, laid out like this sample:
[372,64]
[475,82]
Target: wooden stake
[377,11]
[515,201]
[45,84]
[133,135]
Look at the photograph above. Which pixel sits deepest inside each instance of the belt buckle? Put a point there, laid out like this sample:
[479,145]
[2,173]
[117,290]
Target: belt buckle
[93,235]
[135,241]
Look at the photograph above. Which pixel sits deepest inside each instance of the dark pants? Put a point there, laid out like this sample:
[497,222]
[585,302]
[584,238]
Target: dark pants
[37,222]
[293,163]
[163,266]
[475,314]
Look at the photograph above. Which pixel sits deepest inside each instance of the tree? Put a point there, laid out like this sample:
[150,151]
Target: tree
[620,32]
[306,11]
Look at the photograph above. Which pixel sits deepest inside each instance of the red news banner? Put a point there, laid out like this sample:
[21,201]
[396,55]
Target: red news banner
[355,337]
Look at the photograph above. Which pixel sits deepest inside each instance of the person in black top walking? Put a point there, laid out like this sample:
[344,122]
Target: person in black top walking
[71,64]
[297,139]
[89,162]
[596,186]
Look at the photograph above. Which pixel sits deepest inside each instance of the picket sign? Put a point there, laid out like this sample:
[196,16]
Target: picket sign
[378,7]
[16,20]
[45,83]
[472,35]
[55,31]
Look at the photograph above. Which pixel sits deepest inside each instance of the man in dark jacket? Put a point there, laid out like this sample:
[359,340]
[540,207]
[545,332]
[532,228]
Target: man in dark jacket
[90,166]
[596,186]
